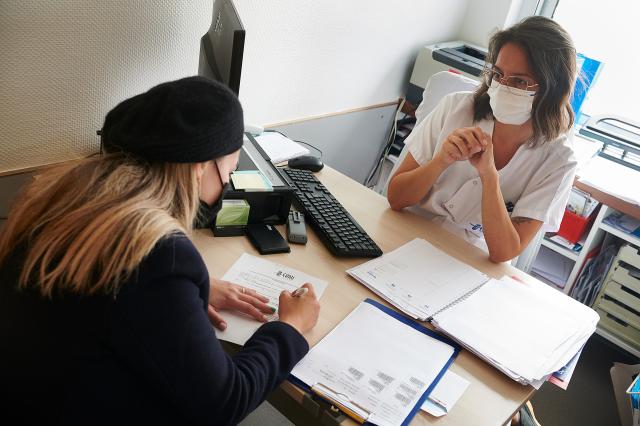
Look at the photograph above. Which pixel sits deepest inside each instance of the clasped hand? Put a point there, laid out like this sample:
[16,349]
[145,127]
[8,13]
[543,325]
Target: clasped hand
[224,295]
[468,143]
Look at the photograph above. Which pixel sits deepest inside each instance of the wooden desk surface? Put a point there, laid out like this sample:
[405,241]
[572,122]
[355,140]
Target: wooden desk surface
[491,398]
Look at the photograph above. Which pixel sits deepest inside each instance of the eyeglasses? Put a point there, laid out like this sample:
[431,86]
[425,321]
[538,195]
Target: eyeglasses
[512,81]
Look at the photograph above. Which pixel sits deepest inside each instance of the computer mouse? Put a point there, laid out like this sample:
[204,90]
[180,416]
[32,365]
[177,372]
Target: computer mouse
[306,162]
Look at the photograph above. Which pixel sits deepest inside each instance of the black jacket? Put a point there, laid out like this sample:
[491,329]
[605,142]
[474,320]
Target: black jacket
[147,356]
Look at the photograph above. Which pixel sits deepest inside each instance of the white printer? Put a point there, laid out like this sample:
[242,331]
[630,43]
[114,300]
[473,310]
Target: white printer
[458,56]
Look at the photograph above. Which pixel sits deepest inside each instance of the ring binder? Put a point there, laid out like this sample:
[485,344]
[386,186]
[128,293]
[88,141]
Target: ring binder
[340,400]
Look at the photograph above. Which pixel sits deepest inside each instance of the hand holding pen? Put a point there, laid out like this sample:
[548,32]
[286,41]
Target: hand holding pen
[299,292]
[299,308]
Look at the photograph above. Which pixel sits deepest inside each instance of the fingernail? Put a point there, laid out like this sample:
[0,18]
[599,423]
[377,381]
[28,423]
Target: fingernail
[223,325]
[273,309]
[265,318]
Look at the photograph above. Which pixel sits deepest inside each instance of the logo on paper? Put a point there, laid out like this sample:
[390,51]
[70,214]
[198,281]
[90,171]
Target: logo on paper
[285,275]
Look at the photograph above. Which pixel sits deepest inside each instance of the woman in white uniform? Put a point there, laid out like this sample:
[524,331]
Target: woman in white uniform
[496,165]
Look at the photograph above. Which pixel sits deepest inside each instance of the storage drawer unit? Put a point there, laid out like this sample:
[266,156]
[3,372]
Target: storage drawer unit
[618,303]
[630,255]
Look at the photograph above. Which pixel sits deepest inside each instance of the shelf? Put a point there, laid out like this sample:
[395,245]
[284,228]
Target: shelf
[546,281]
[621,234]
[560,249]
[618,342]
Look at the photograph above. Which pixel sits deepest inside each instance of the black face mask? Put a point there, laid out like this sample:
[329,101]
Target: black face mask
[207,213]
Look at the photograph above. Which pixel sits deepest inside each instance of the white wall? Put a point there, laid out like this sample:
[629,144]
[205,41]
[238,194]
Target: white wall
[66,63]
[484,17]
[308,57]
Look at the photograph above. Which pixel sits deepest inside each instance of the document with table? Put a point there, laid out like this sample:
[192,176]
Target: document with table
[268,279]
[526,330]
[376,365]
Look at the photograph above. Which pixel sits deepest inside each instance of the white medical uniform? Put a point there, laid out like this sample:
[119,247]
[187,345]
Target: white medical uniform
[536,182]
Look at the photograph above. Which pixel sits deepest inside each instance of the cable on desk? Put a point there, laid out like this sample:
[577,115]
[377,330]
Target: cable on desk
[304,143]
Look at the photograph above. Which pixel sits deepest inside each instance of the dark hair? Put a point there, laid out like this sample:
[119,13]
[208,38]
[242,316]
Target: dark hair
[552,57]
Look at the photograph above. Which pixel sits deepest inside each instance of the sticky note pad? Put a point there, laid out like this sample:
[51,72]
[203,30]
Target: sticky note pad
[250,180]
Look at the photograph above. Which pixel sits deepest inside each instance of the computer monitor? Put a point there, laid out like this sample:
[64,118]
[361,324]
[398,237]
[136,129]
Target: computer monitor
[221,48]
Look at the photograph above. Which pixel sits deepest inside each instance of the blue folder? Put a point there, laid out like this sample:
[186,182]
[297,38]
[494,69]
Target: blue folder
[413,324]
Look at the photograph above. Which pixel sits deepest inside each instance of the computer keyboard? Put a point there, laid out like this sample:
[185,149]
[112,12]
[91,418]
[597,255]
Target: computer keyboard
[337,229]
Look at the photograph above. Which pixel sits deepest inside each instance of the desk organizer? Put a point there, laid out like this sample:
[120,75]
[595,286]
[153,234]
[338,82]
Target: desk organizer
[573,226]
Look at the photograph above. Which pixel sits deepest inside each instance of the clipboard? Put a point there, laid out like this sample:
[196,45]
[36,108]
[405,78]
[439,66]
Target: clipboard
[361,414]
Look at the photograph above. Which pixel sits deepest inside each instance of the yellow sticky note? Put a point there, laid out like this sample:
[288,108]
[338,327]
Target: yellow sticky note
[248,181]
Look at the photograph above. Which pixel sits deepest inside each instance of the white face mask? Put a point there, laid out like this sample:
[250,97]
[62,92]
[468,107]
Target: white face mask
[510,105]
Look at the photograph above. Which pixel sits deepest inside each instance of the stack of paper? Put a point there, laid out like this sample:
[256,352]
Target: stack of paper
[280,148]
[527,330]
[623,222]
[418,278]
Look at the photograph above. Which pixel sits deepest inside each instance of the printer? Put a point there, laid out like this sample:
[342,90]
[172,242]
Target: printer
[457,56]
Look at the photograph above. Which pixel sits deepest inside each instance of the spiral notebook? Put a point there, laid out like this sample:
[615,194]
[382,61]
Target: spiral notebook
[526,330]
[419,279]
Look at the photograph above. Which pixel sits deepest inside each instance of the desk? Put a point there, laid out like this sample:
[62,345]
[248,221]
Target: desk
[491,398]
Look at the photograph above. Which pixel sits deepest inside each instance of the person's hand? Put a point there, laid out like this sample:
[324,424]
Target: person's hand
[461,144]
[484,161]
[226,296]
[300,312]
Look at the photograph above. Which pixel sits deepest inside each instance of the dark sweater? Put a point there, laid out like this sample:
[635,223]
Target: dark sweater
[149,356]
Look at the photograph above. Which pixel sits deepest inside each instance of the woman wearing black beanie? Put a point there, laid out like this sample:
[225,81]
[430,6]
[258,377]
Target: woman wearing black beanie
[105,304]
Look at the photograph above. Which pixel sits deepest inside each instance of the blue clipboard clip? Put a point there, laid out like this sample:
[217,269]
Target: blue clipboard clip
[342,402]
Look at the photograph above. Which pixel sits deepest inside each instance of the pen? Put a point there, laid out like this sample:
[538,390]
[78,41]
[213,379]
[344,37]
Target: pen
[300,291]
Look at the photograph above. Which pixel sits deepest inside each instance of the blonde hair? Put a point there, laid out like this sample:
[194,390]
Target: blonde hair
[87,226]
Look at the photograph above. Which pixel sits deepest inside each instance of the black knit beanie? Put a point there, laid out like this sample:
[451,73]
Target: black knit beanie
[191,120]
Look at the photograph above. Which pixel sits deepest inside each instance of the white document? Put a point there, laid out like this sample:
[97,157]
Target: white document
[375,362]
[534,329]
[280,148]
[418,278]
[445,395]
[268,279]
